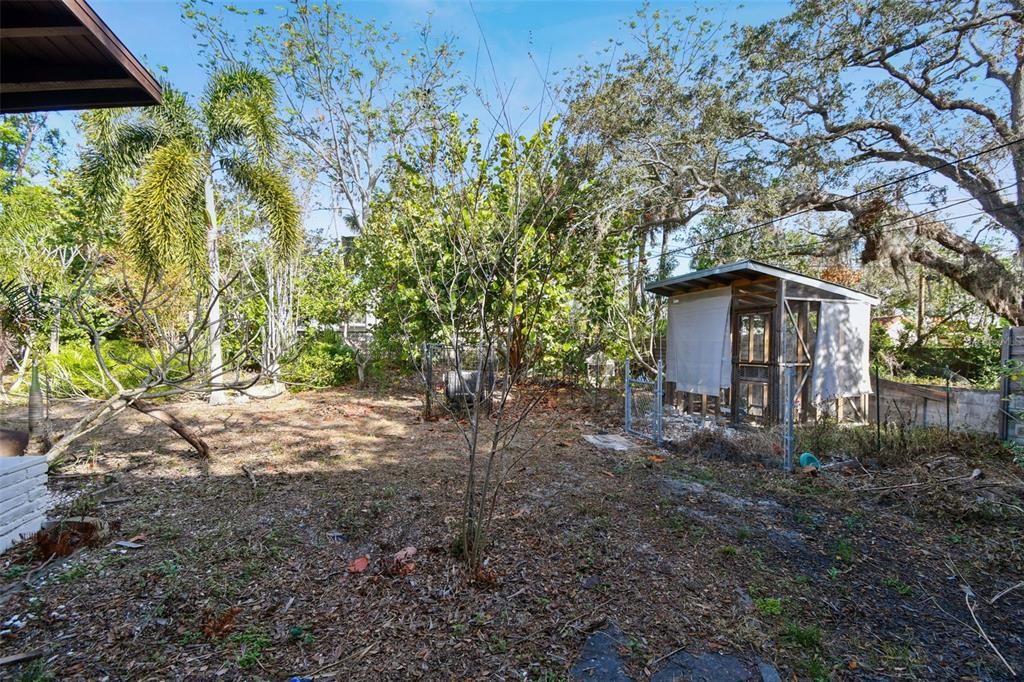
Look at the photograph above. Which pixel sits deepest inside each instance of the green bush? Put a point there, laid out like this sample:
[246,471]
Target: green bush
[73,369]
[320,362]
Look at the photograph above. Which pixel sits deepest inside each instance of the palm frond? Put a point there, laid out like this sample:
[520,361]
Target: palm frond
[19,306]
[161,225]
[116,155]
[240,107]
[274,198]
[177,117]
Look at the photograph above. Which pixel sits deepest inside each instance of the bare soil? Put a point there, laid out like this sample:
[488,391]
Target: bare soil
[838,576]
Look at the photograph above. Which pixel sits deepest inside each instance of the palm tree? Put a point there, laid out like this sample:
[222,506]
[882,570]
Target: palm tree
[162,166]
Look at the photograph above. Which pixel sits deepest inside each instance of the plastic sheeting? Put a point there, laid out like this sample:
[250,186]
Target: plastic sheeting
[699,358]
[841,352]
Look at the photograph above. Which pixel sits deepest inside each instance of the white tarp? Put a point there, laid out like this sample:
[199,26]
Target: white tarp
[841,351]
[699,358]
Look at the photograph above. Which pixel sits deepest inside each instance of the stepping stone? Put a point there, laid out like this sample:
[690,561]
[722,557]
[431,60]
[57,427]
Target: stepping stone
[608,442]
[711,667]
[600,660]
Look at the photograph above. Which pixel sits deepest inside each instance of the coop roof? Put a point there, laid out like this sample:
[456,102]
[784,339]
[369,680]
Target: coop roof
[58,54]
[725,275]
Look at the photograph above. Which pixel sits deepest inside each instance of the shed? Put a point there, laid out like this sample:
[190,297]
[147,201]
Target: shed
[734,329]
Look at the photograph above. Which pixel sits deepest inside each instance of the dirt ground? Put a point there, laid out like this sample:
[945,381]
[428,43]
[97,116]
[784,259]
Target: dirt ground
[239,576]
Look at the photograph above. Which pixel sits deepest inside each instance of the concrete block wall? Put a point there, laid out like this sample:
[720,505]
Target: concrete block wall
[925,405]
[24,499]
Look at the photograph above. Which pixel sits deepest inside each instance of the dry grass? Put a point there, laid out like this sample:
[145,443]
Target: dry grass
[244,582]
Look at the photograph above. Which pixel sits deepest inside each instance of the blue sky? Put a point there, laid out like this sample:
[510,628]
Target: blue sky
[524,38]
[154,31]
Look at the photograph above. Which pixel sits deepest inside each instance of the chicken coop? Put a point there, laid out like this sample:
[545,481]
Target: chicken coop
[736,331]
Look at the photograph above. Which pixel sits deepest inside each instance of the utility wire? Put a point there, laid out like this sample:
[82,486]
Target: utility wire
[855,195]
[820,240]
[691,248]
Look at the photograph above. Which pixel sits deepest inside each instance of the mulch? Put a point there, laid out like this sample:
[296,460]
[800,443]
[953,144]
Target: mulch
[247,573]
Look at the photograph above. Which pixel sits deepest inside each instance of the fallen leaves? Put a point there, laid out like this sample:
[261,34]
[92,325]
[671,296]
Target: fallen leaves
[359,564]
[218,626]
[400,563]
[486,575]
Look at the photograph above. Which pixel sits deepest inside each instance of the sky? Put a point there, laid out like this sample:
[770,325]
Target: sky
[523,38]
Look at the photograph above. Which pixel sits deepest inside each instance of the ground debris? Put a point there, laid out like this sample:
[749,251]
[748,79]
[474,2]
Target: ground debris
[710,553]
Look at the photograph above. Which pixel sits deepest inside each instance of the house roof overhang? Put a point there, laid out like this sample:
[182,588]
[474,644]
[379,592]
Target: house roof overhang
[725,275]
[58,54]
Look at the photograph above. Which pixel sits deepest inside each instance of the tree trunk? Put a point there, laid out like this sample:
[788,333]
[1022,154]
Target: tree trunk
[920,304]
[217,396]
[55,333]
[175,424]
[113,406]
[106,410]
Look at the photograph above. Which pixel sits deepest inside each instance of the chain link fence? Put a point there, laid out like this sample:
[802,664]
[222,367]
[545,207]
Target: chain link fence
[454,376]
[645,404]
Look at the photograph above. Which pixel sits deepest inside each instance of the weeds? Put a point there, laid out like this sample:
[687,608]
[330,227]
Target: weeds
[769,606]
[843,550]
[83,505]
[804,637]
[34,671]
[74,573]
[253,643]
[901,588]
[15,571]
[637,647]
[300,634]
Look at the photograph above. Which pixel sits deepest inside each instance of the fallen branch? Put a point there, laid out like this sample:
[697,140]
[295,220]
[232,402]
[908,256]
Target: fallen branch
[28,576]
[18,658]
[968,593]
[175,424]
[1005,592]
[976,474]
[251,475]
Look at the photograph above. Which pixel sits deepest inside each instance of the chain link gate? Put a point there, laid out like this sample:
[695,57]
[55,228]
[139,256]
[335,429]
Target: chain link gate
[645,405]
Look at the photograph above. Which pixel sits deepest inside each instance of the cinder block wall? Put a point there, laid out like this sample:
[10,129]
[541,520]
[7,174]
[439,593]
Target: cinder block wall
[24,499]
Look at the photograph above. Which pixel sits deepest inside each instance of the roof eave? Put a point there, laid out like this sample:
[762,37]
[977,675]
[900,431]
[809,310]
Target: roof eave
[666,287]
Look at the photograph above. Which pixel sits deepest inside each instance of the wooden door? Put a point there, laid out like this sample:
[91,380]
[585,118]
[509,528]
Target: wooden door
[753,362]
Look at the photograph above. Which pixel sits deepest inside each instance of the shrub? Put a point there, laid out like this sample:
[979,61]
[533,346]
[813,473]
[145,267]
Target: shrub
[320,362]
[73,369]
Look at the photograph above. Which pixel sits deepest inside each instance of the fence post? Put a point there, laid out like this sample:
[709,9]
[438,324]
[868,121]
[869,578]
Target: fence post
[787,417]
[947,400]
[658,405]
[428,378]
[629,401]
[878,412]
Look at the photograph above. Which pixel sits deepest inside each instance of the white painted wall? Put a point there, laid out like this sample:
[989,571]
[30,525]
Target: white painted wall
[24,499]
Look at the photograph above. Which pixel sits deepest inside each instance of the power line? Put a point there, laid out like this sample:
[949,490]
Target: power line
[894,229]
[691,248]
[855,195]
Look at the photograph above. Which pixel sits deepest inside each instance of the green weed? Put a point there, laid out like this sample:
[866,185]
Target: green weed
[901,588]
[34,671]
[843,550]
[15,571]
[253,643]
[804,637]
[300,634]
[769,606]
[74,574]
